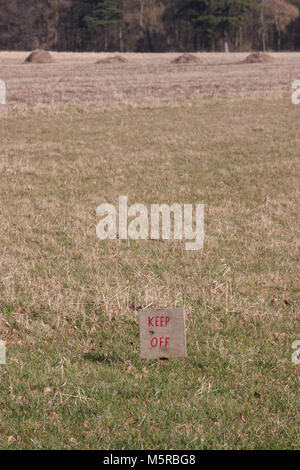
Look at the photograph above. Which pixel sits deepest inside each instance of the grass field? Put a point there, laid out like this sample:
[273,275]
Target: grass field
[222,134]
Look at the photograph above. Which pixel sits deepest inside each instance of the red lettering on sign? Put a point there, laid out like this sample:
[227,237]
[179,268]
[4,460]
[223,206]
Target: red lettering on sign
[162,343]
[154,342]
[159,320]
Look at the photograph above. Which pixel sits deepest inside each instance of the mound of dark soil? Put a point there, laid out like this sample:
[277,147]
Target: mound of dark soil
[115,59]
[186,59]
[40,57]
[258,58]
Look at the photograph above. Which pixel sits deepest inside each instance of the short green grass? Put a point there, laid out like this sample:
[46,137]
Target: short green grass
[68,301]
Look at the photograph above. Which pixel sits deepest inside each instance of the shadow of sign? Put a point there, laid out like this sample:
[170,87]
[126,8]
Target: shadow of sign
[101,358]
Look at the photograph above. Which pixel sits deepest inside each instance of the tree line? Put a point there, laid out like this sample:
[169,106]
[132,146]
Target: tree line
[150,25]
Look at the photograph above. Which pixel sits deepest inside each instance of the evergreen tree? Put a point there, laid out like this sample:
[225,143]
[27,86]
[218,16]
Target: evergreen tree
[217,17]
[108,14]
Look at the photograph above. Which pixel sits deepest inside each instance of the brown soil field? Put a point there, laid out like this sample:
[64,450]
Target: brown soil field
[76,78]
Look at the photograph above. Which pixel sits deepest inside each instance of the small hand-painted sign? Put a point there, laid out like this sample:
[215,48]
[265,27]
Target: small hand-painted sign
[162,333]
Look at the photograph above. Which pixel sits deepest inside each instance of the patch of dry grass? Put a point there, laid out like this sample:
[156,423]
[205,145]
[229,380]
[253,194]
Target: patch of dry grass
[77,79]
[68,301]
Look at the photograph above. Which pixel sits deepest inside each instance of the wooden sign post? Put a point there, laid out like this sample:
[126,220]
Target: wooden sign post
[162,333]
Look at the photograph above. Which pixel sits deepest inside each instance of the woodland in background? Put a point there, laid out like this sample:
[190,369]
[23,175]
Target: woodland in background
[150,25]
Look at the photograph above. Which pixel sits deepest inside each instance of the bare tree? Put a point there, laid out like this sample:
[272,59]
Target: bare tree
[277,14]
